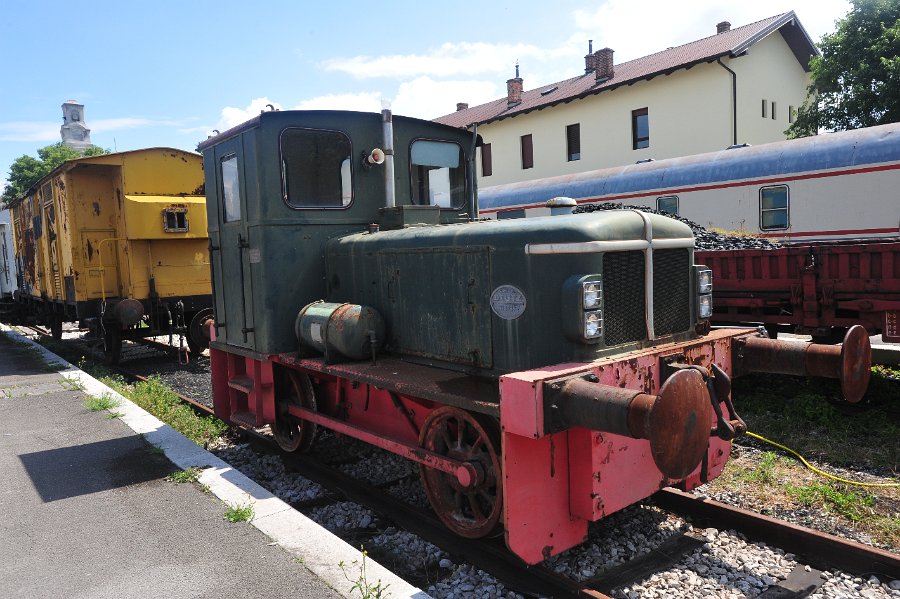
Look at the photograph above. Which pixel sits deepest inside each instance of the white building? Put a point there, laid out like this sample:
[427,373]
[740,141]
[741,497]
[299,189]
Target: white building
[740,85]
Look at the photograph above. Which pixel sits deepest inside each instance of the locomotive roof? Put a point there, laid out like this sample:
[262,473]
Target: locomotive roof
[110,158]
[871,145]
[310,117]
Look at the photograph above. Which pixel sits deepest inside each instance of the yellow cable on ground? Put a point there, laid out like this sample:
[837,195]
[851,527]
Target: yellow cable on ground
[816,470]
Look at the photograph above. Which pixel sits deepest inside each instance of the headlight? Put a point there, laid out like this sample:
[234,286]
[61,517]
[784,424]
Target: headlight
[593,324]
[590,297]
[706,306]
[704,281]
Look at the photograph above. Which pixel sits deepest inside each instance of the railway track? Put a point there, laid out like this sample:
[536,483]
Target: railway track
[816,551]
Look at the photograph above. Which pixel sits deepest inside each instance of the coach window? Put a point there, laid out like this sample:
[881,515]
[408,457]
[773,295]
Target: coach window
[315,166]
[438,173]
[667,204]
[773,207]
[231,190]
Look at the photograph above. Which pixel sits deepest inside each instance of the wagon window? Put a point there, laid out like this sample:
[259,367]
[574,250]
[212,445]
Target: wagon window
[231,189]
[438,174]
[175,220]
[316,168]
[667,204]
[773,207]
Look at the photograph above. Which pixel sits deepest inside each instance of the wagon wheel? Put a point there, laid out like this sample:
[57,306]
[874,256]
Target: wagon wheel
[198,331]
[292,433]
[473,509]
[56,327]
[112,345]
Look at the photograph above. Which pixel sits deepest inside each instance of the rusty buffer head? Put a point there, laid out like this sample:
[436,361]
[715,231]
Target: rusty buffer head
[856,363]
[676,422]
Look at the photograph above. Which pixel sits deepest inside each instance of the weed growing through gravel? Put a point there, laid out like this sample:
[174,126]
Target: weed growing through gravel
[103,402]
[361,584]
[239,513]
[188,475]
[114,415]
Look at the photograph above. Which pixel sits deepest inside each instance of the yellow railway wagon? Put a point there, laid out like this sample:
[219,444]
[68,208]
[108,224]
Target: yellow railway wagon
[119,243]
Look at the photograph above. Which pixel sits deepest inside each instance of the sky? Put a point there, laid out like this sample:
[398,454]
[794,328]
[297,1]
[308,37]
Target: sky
[168,73]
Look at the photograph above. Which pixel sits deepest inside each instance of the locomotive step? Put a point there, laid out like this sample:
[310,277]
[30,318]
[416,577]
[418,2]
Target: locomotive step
[247,419]
[243,384]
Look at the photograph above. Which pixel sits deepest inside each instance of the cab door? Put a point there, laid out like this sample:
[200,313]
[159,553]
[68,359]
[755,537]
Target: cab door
[230,250]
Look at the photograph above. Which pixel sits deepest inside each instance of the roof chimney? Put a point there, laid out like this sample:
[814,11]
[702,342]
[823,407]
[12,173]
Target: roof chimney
[589,62]
[723,27]
[514,89]
[461,106]
[604,64]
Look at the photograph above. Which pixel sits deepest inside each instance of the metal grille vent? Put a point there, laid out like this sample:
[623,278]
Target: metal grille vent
[623,298]
[671,291]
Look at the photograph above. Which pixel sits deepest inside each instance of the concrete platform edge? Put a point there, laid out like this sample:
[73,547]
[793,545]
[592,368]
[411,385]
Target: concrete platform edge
[316,548]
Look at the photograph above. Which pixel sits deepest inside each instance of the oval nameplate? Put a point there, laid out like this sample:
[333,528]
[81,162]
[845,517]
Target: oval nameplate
[508,302]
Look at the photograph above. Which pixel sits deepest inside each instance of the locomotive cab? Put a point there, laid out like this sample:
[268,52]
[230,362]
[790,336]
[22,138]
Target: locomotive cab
[543,372]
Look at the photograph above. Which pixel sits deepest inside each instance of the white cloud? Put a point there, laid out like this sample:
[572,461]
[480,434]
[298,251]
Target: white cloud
[232,117]
[426,98]
[448,60]
[628,28]
[362,101]
[29,131]
[39,131]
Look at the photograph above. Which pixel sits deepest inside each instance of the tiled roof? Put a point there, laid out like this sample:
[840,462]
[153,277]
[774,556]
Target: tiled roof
[728,43]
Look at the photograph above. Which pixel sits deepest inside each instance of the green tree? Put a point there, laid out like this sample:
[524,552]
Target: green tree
[28,170]
[856,81]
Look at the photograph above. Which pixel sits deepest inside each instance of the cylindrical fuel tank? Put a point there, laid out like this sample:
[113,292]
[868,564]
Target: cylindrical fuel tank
[351,330]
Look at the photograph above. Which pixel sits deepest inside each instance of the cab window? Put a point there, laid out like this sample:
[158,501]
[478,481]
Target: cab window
[231,189]
[316,168]
[438,174]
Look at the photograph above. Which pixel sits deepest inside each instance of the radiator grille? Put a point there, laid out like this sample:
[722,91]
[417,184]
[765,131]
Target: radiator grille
[671,291]
[623,298]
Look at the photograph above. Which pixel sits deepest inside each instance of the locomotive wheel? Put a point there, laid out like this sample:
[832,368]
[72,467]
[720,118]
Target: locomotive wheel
[471,510]
[293,434]
[198,331]
[112,345]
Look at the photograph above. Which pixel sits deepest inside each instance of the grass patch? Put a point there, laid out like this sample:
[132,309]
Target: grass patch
[103,402]
[810,416]
[239,513]
[852,505]
[188,475]
[153,396]
[114,415]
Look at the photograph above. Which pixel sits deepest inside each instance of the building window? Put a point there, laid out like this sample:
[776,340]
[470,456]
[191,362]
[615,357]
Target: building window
[231,188]
[773,207]
[667,204]
[792,114]
[765,108]
[175,220]
[438,174]
[573,142]
[527,152]
[487,163]
[773,110]
[640,129]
